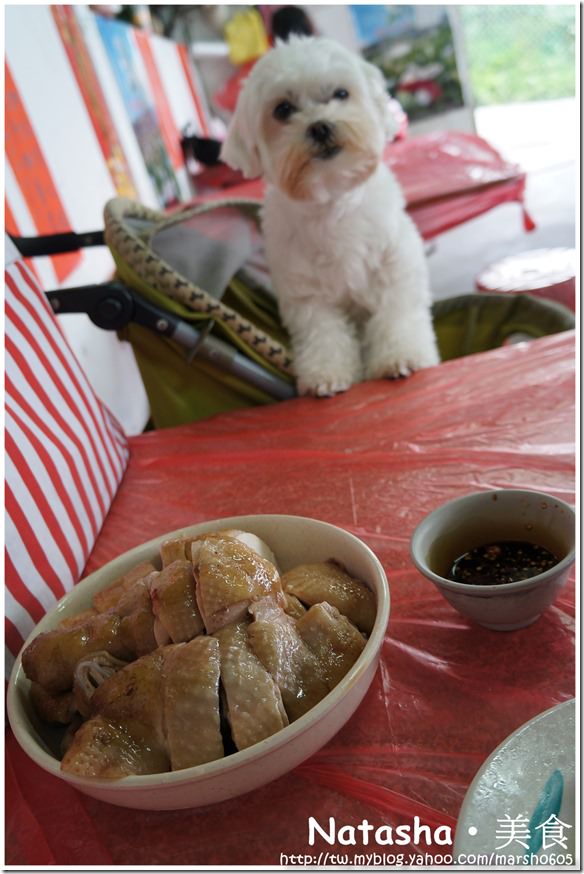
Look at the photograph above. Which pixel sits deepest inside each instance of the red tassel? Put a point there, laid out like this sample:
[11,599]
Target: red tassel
[528,223]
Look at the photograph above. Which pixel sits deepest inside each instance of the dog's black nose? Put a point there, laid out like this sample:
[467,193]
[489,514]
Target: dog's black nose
[320,131]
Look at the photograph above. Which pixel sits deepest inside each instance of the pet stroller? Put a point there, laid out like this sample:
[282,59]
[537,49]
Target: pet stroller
[192,295]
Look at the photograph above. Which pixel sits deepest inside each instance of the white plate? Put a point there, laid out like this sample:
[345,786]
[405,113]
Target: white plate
[527,780]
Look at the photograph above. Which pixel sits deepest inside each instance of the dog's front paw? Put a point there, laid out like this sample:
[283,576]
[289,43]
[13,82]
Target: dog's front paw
[325,371]
[400,362]
[323,387]
[327,357]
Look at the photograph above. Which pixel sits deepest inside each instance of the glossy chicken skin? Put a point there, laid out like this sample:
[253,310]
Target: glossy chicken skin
[334,640]
[125,733]
[108,598]
[254,703]
[293,607]
[229,577]
[50,659]
[172,592]
[104,748]
[275,640]
[135,611]
[328,581]
[181,547]
[191,703]
[59,708]
[159,713]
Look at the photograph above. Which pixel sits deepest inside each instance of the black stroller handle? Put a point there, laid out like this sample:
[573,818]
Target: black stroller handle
[112,305]
[56,244]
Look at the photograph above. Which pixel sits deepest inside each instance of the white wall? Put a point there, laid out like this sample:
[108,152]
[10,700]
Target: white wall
[64,131]
[335,22]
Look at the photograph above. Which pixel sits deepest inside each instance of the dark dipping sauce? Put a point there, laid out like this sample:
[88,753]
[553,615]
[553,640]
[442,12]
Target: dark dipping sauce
[505,562]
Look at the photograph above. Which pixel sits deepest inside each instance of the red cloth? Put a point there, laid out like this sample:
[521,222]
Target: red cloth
[446,163]
[374,460]
[450,177]
[447,179]
[227,97]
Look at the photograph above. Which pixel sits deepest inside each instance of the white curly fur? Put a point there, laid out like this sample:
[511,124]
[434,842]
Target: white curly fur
[347,261]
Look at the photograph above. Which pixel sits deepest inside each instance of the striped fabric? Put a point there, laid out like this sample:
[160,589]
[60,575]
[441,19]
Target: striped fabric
[65,458]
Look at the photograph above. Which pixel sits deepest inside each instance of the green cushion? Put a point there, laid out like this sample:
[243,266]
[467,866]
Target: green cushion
[477,322]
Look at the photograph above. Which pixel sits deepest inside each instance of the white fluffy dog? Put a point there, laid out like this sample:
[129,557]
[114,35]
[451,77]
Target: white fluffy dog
[347,262]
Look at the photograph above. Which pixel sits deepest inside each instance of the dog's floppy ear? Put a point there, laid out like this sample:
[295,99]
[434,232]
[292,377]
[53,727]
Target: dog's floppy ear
[380,95]
[240,149]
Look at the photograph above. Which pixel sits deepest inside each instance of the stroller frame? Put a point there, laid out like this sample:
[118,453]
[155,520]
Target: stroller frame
[149,293]
[114,305]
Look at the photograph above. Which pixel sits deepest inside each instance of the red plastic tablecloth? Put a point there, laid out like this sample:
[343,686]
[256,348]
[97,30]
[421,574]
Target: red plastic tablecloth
[447,178]
[374,460]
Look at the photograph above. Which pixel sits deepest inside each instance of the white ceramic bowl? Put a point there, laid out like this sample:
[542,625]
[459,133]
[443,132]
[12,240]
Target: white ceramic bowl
[294,540]
[487,517]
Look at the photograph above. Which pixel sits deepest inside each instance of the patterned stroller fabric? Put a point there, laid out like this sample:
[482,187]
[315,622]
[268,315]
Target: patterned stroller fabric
[201,265]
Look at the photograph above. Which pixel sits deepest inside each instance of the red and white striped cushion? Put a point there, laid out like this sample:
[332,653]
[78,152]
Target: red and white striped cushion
[65,458]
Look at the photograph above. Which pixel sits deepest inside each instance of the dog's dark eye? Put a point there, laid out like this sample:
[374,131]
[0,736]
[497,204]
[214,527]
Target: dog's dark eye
[341,94]
[283,111]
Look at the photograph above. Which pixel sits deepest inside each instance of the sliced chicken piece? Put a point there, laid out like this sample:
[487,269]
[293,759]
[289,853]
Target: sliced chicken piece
[176,549]
[126,633]
[70,732]
[180,547]
[254,542]
[108,598]
[254,702]
[191,702]
[230,576]
[79,619]
[177,617]
[328,581]
[59,708]
[135,610]
[293,607]
[158,713]
[274,638]
[91,673]
[50,659]
[334,640]
[104,748]
[135,597]
[137,631]
[125,734]
[134,693]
